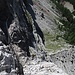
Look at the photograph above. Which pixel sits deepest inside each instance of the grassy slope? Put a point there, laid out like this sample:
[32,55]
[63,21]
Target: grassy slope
[53,42]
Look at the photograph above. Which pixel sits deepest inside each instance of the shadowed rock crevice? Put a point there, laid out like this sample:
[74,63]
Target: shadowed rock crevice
[30,10]
[5,18]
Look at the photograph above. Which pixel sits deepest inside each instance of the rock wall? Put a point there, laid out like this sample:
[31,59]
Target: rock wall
[22,42]
[18,35]
[66,60]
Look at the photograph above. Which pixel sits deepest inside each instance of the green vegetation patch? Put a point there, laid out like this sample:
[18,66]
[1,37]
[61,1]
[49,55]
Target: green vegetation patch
[67,20]
[53,42]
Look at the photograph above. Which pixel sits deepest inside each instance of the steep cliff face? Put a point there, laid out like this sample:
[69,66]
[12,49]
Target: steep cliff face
[18,35]
[22,50]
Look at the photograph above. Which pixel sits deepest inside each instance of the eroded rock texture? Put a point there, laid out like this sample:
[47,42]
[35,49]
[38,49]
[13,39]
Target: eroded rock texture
[21,42]
[18,35]
[65,60]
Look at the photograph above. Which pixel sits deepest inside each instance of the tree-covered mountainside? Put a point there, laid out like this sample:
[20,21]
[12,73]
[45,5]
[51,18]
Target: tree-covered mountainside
[67,19]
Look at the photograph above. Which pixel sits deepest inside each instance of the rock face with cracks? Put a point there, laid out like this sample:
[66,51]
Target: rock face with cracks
[22,50]
[65,60]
